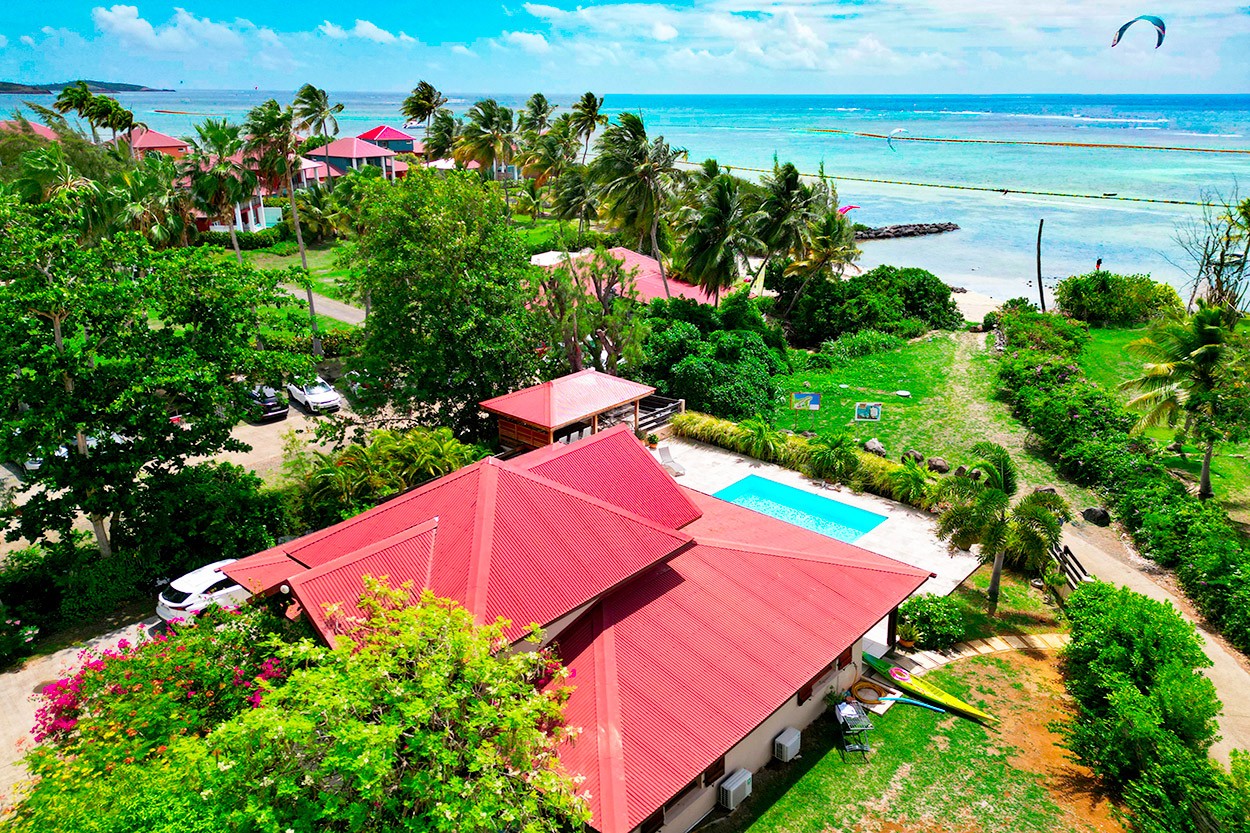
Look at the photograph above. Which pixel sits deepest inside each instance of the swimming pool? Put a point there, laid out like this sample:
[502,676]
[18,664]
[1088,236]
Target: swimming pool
[815,512]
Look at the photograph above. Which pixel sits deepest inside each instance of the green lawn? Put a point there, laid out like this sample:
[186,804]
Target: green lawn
[531,231]
[325,273]
[928,771]
[1022,608]
[1108,364]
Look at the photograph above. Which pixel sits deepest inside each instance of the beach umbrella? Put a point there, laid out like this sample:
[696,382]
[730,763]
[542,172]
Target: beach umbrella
[889,140]
[1157,22]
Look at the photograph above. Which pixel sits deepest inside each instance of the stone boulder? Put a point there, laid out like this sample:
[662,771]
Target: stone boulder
[1097,516]
[874,446]
[1174,448]
[962,471]
[1048,489]
[938,465]
[913,455]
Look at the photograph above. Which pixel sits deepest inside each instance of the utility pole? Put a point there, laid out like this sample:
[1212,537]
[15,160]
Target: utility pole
[1041,291]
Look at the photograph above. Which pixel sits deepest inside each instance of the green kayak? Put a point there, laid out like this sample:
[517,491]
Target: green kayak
[913,685]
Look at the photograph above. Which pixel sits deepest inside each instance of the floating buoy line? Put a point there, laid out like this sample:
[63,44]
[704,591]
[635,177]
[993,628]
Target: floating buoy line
[1033,142]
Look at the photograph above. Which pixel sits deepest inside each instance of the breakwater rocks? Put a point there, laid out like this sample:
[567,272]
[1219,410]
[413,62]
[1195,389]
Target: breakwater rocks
[905,230]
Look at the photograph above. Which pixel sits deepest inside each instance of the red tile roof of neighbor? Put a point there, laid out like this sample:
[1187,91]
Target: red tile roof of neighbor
[352,148]
[647,278]
[382,133]
[569,399]
[510,543]
[674,669]
[147,139]
[40,130]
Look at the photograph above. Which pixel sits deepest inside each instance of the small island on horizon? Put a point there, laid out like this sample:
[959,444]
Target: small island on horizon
[11,87]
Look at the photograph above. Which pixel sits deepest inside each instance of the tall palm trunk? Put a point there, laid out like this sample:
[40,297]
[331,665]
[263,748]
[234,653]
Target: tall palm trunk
[303,259]
[659,256]
[586,152]
[1204,481]
[996,578]
[234,238]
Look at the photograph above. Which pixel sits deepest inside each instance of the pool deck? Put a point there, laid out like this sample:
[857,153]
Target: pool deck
[908,534]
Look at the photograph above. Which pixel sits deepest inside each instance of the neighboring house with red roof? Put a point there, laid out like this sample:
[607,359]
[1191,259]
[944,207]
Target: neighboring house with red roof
[645,270]
[353,153]
[144,141]
[35,128]
[396,140]
[694,630]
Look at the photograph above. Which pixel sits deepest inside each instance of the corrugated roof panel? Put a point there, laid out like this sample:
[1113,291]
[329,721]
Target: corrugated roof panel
[569,399]
[614,467]
[353,148]
[384,133]
[263,571]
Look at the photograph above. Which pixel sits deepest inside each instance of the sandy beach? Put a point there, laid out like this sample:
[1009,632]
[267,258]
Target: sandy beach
[974,305]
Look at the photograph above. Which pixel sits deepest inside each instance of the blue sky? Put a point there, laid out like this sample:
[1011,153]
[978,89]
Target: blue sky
[690,46]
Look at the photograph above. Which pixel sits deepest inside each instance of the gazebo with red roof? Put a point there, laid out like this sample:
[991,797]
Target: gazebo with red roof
[566,407]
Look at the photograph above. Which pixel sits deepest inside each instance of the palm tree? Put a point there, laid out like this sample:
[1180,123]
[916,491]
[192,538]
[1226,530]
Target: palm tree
[274,145]
[1188,372]
[219,178]
[758,439]
[313,111]
[547,155]
[720,236]
[576,197]
[833,456]
[441,137]
[587,118]
[638,177]
[422,104]
[828,250]
[981,512]
[489,137]
[536,117]
[77,98]
[913,483]
[150,200]
[47,175]
[786,209]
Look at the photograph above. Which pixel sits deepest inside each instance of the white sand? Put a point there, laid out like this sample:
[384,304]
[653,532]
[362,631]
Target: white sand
[974,305]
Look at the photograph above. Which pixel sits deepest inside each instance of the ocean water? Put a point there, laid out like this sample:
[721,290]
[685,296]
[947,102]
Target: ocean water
[994,251]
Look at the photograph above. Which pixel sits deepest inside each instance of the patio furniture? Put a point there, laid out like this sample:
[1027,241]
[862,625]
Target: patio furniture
[850,729]
[670,465]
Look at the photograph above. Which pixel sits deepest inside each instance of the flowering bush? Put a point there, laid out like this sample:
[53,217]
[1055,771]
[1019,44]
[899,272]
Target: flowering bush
[16,639]
[129,702]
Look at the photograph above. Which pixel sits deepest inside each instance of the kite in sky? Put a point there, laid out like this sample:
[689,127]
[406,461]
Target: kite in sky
[1157,22]
[889,140]
[844,209]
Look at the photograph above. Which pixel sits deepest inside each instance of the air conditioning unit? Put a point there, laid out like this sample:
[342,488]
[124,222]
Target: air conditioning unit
[735,788]
[786,745]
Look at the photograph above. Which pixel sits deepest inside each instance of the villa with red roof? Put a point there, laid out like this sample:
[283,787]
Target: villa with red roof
[352,153]
[695,631]
[645,269]
[145,141]
[33,127]
[396,140]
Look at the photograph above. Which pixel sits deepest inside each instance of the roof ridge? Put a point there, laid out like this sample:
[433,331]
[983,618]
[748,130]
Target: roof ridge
[371,549]
[613,801]
[477,589]
[838,560]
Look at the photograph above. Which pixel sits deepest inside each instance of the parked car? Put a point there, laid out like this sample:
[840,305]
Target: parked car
[316,396]
[265,403]
[184,597]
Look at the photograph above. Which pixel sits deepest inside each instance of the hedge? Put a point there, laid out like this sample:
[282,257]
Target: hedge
[1088,435]
[1145,713]
[248,240]
[1109,298]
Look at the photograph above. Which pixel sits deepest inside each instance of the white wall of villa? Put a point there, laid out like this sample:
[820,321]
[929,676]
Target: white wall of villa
[248,216]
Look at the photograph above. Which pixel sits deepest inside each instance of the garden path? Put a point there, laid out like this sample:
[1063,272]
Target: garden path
[331,308]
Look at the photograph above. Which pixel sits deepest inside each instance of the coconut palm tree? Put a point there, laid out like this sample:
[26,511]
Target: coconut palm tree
[786,211]
[829,249]
[313,111]
[536,116]
[981,512]
[637,178]
[549,154]
[587,118]
[218,176]
[441,138]
[78,99]
[489,137]
[273,144]
[1187,373]
[720,235]
[422,104]
[576,197]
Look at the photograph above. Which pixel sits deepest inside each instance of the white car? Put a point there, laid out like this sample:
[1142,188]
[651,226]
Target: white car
[316,396]
[183,597]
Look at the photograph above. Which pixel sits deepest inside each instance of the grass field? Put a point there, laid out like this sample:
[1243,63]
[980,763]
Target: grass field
[326,274]
[935,772]
[1022,608]
[1108,364]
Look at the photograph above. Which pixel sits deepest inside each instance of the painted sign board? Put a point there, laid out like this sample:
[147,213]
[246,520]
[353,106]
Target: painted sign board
[867,411]
[805,401]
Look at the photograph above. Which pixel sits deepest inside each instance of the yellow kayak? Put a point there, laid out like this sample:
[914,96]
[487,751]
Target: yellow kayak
[913,685]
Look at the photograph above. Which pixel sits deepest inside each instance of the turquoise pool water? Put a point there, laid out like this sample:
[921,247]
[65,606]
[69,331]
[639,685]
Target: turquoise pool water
[814,512]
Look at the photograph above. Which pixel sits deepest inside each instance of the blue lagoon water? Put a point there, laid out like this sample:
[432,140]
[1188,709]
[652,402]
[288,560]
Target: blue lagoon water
[994,250]
[819,514]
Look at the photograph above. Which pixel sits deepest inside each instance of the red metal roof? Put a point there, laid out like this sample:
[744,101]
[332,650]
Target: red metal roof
[569,399]
[510,543]
[330,594]
[40,130]
[352,148]
[614,467]
[672,670]
[383,133]
[153,140]
[263,572]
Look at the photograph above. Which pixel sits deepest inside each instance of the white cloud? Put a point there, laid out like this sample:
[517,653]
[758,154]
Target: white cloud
[28,40]
[461,49]
[662,31]
[183,33]
[404,37]
[370,31]
[531,42]
[330,30]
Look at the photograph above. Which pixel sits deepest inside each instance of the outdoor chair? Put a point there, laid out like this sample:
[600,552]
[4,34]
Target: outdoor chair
[670,465]
[851,731]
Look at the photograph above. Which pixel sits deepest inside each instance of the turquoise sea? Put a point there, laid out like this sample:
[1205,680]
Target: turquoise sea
[994,252]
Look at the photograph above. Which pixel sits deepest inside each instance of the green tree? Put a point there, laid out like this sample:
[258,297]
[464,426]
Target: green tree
[1189,373]
[422,105]
[489,138]
[828,249]
[149,199]
[313,111]
[720,236]
[78,99]
[548,155]
[981,512]
[98,348]
[47,175]
[587,118]
[637,178]
[219,178]
[785,212]
[576,197]
[449,325]
[440,139]
[834,456]
[536,116]
[273,143]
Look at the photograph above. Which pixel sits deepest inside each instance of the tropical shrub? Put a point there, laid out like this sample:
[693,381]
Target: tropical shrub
[937,618]
[248,240]
[913,483]
[1108,298]
[16,639]
[833,456]
[863,343]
